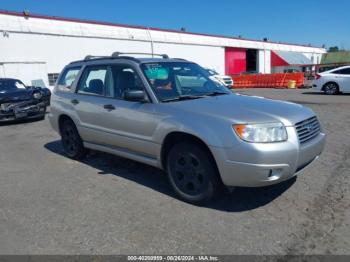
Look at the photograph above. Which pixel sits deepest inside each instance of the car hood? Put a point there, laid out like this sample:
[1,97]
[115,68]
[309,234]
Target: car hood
[245,109]
[222,76]
[15,95]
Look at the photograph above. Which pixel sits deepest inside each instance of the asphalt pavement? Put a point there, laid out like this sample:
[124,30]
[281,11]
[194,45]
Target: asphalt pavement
[50,204]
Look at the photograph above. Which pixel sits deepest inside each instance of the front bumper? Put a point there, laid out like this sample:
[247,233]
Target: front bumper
[271,165]
[27,110]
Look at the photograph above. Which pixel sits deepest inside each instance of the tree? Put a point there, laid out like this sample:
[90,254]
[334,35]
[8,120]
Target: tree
[333,49]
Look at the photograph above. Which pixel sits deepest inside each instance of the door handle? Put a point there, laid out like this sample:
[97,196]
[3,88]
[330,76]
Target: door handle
[109,107]
[74,101]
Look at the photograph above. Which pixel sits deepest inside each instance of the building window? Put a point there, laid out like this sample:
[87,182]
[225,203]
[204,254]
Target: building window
[52,78]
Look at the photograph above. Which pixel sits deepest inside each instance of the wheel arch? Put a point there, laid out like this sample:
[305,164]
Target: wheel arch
[61,119]
[331,82]
[176,137]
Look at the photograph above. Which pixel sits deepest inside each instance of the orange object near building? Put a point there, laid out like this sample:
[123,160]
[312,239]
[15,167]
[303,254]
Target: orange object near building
[278,80]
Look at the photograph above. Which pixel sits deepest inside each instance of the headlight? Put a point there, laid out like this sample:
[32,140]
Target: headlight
[261,133]
[5,107]
[37,95]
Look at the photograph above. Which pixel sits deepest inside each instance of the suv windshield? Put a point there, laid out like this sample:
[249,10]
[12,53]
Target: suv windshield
[11,84]
[181,80]
[212,72]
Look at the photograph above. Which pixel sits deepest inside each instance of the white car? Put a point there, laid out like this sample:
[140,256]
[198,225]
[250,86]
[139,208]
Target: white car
[333,81]
[222,79]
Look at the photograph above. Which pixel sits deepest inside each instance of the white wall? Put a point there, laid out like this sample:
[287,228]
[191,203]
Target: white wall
[28,73]
[56,26]
[206,56]
[58,51]
[32,40]
[264,61]
[314,57]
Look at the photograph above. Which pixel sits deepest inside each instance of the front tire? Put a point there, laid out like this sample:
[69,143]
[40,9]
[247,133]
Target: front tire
[192,173]
[71,140]
[331,89]
[43,116]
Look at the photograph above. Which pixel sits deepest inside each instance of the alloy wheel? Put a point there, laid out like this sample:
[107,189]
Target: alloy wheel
[331,89]
[189,174]
[69,139]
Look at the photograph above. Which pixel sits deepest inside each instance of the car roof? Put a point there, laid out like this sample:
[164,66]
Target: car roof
[10,79]
[138,60]
[159,60]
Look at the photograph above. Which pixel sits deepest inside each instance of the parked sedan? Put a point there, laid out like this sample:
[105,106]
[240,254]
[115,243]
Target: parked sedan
[222,79]
[333,81]
[20,102]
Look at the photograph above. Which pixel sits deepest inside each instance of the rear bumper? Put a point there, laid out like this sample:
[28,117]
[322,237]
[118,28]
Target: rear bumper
[317,85]
[272,170]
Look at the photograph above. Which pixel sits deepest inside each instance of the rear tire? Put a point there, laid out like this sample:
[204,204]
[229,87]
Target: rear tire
[331,88]
[192,173]
[71,140]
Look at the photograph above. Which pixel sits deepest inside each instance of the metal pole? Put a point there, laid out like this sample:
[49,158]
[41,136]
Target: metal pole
[150,37]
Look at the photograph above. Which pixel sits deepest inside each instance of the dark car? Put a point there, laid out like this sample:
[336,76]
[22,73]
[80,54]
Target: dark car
[18,101]
[45,91]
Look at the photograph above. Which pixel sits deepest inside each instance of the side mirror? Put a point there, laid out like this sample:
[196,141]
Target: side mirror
[134,95]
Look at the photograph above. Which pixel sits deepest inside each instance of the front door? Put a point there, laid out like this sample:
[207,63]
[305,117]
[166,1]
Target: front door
[108,118]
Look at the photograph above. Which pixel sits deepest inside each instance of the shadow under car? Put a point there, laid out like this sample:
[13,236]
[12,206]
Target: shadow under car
[241,199]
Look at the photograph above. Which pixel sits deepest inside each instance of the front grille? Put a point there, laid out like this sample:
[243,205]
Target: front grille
[228,81]
[308,129]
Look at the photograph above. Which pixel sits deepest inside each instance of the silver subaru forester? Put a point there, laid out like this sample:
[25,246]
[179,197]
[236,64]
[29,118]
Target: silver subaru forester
[171,114]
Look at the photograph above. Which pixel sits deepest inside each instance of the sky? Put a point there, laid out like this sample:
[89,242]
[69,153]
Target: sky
[315,22]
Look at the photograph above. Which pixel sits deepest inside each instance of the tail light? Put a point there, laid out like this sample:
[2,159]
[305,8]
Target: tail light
[318,76]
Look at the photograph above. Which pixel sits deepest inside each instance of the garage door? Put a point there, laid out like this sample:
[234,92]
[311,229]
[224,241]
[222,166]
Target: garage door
[235,60]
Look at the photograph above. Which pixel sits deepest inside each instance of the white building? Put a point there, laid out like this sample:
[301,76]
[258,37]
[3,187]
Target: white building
[35,48]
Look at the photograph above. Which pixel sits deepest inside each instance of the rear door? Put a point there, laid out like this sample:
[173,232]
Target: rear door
[90,102]
[343,79]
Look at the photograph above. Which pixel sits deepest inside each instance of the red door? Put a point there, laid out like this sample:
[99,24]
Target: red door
[235,60]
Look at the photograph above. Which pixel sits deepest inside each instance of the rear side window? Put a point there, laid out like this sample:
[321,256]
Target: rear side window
[96,80]
[67,78]
[345,71]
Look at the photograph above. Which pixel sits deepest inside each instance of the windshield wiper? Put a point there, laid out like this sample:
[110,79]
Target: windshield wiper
[216,93]
[182,97]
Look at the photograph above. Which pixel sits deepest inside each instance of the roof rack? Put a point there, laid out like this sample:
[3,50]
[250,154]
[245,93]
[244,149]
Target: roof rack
[182,59]
[118,54]
[89,57]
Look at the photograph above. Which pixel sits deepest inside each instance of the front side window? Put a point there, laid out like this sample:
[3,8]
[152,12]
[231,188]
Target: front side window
[125,79]
[171,80]
[67,78]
